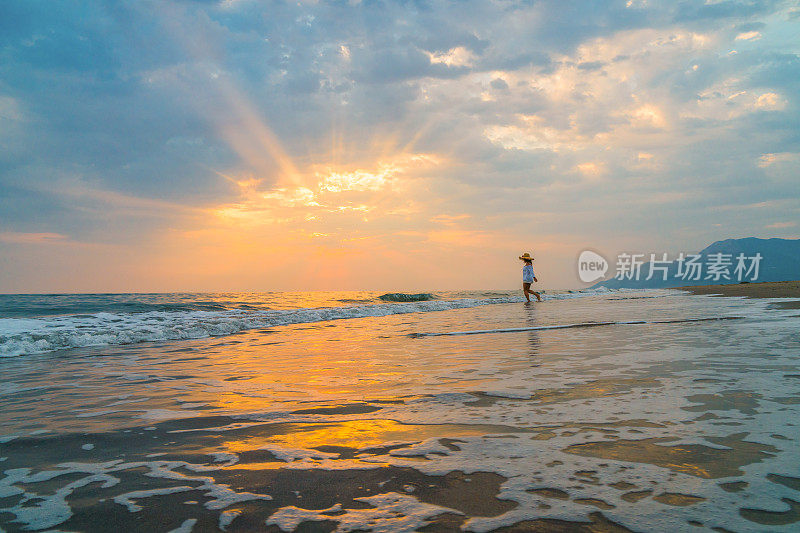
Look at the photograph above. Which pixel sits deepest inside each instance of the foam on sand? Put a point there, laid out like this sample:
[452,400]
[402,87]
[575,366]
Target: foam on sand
[660,419]
[388,513]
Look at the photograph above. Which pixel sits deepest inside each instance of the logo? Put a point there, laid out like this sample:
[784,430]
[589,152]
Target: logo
[591,266]
[715,267]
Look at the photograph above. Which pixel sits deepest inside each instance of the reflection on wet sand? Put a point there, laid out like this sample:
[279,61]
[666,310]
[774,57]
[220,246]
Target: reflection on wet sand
[231,463]
[693,459]
[361,434]
[353,425]
[597,523]
[579,391]
[774,518]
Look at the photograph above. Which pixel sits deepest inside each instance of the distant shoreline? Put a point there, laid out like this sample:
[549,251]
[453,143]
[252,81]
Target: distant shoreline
[770,289]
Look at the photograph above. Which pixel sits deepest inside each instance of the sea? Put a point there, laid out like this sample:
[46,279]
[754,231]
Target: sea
[595,410]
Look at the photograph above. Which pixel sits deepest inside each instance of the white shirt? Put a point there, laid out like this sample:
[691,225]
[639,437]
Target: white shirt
[527,273]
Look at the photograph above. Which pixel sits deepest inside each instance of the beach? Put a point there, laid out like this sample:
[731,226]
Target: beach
[772,289]
[399,266]
[652,410]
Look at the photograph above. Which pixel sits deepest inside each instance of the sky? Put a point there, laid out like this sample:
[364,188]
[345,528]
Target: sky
[246,145]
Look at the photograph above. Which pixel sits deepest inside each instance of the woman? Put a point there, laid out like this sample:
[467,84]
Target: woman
[528,277]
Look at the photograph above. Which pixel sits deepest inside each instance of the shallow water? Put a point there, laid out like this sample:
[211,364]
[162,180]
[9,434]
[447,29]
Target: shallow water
[40,323]
[375,423]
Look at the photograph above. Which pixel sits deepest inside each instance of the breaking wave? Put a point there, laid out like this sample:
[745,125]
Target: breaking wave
[41,334]
[20,336]
[404,297]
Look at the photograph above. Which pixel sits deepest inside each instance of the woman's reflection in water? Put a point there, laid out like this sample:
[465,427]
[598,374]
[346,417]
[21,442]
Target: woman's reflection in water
[533,335]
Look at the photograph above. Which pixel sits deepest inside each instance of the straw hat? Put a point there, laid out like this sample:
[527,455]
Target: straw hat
[526,257]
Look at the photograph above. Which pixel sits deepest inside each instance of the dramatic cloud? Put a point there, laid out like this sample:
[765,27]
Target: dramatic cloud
[244,145]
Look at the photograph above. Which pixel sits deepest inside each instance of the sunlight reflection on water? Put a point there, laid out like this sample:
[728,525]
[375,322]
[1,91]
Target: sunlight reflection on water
[654,424]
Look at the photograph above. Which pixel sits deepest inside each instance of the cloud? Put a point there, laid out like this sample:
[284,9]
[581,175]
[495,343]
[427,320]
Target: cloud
[748,36]
[244,130]
[591,169]
[785,157]
[16,237]
[455,57]
[770,101]
[781,225]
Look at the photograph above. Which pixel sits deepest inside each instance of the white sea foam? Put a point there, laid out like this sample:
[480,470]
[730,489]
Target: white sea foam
[227,517]
[37,511]
[129,498]
[22,336]
[617,385]
[390,512]
[428,446]
[287,454]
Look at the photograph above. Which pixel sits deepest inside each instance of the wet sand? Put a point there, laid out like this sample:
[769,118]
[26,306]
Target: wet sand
[770,289]
[653,421]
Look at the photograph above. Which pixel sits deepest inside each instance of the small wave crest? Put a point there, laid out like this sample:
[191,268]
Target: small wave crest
[42,305]
[406,297]
[31,335]
[21,336]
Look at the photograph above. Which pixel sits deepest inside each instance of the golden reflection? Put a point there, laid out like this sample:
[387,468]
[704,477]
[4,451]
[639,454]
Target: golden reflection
[679,500]
[358,434]
[693,459]
[353,435]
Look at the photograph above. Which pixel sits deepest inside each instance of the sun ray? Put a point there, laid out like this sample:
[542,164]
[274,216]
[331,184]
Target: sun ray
[241,124]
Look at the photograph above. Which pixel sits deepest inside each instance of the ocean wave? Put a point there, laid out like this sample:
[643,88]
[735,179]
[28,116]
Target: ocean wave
[406,297]
[21,336]
[67,304]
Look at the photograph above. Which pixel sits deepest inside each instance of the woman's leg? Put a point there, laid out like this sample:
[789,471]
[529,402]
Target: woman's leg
[526,287]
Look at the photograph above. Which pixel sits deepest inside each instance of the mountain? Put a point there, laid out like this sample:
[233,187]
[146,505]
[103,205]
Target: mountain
[780,261]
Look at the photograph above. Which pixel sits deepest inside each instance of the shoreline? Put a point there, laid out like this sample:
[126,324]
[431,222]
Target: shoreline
[360,425]
[767,289]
